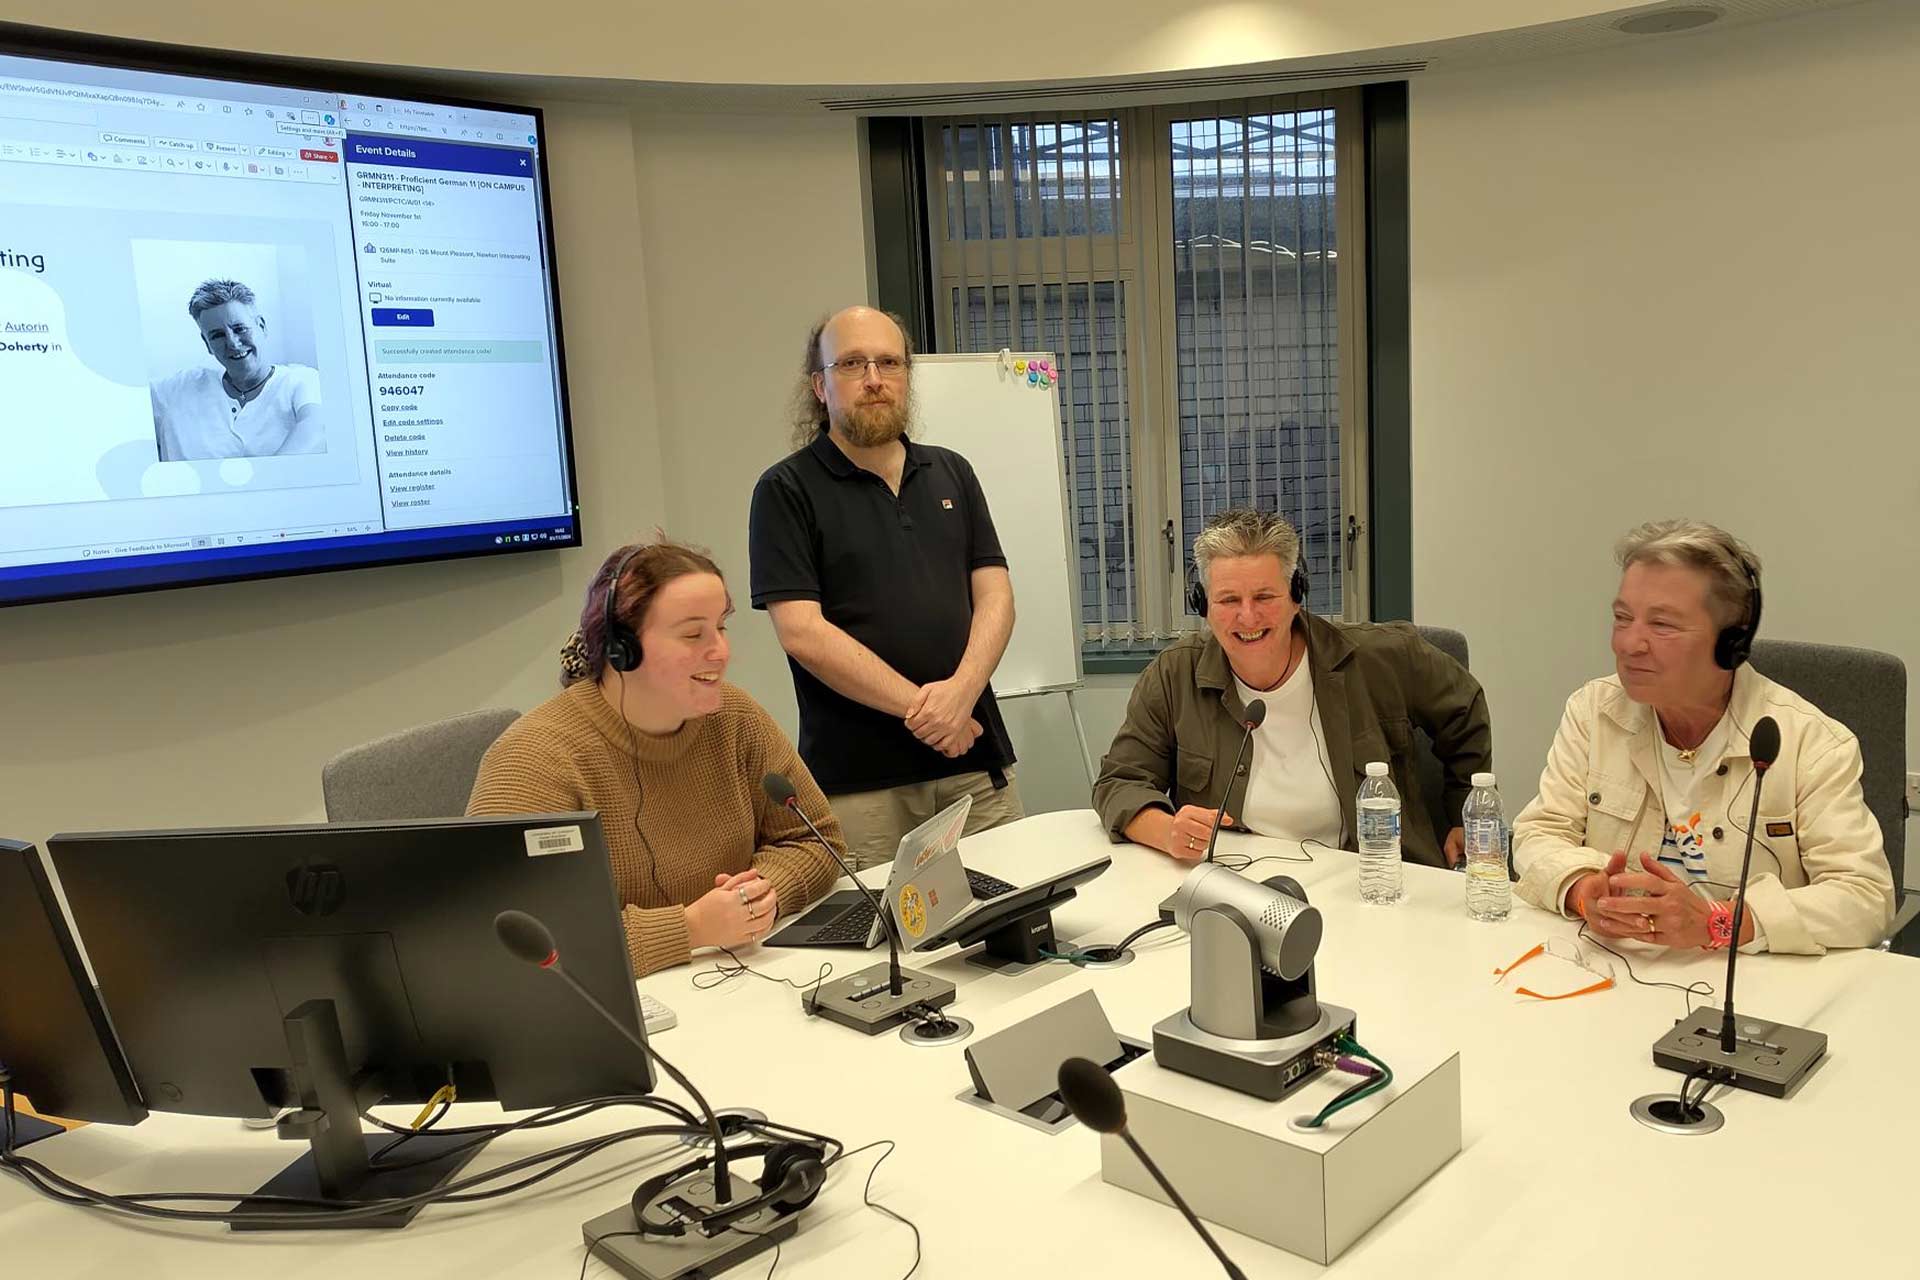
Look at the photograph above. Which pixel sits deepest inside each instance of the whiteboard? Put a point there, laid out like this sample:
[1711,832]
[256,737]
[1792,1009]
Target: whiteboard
[1009,430]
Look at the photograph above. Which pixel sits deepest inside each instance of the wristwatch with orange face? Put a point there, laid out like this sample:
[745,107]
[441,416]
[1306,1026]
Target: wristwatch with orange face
[1720,926]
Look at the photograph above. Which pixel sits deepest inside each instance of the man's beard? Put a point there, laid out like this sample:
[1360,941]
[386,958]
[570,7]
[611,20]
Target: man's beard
[871,425]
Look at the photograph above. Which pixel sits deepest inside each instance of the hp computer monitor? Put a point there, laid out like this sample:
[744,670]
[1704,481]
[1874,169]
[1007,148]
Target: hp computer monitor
[55,1042]
[227,954]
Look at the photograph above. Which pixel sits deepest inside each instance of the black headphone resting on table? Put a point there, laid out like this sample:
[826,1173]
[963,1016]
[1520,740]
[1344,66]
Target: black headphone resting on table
[1734,644]
[622,645]
[1197,591]
[791,1175]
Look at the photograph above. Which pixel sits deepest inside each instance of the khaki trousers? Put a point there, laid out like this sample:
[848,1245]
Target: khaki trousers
[874,821]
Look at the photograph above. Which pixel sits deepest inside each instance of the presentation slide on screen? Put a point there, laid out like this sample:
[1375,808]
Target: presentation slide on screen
[233,315]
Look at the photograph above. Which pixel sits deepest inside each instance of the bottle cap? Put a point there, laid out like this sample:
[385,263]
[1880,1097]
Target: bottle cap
[1376,768]
[1482,779]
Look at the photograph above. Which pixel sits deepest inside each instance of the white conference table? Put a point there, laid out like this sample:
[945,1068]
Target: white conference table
[1554,1178]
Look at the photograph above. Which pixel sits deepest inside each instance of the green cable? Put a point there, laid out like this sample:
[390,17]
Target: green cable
[1347,1044]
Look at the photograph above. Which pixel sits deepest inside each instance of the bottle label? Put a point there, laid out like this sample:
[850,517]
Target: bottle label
[1483,839]
[1379,824]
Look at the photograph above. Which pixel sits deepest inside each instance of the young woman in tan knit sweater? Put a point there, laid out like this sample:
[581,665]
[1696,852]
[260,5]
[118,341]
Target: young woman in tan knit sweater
[672,757]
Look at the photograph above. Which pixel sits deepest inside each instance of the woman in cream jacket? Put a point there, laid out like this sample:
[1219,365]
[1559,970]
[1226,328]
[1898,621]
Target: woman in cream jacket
[1641,816]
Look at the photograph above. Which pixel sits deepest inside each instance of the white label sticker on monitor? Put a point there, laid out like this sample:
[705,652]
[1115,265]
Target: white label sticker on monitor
[542,841]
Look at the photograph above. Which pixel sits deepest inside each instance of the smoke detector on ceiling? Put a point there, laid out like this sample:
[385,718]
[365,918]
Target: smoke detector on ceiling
[1666,21]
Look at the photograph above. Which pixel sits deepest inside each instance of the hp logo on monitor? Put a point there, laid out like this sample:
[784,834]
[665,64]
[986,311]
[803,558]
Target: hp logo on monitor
[316,890]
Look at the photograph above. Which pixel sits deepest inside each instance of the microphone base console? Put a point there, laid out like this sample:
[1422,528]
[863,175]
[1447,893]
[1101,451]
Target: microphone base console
[1768,1057]
[862,1000]
[692,1256]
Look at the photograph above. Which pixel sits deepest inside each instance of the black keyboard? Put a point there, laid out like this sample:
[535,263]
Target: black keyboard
[985,886]
[856,922]
[854,925]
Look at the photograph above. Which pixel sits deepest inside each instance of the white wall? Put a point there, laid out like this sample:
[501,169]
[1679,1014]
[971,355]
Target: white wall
[754,230]
[1679,278]
[218,705]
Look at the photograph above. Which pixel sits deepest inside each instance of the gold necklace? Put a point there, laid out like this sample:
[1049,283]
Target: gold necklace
[1685,755]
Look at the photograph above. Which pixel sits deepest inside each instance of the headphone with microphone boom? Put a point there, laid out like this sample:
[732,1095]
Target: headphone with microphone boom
[1734,644]
[622,645]
[791,1175]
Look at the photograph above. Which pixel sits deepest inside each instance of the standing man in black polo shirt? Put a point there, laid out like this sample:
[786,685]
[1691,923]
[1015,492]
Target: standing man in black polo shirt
[877,560]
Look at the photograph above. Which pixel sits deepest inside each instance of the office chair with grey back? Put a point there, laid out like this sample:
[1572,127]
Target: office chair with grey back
[1867,691]
[1427,770]
[425,772]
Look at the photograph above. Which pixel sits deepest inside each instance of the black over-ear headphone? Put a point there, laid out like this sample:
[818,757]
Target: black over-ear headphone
[1197,591]
[791,1175]
[1734,644]
[622,645]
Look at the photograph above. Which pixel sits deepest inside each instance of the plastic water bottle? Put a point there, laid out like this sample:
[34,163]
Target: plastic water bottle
[1489,892]
[1377,821]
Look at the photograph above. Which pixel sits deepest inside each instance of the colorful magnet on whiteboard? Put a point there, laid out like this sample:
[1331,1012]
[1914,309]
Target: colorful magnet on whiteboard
[1045,381]
[1033,375]
[1019,366]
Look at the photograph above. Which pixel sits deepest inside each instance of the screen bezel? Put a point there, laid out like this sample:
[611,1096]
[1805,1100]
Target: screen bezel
[23,41]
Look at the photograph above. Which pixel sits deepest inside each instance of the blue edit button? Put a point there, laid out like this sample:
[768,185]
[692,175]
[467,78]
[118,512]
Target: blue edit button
[403,317]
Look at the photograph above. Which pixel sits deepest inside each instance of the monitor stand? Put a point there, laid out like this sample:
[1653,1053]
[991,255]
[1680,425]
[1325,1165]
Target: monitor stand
[28,1128]
[1015,945]
[344,1162]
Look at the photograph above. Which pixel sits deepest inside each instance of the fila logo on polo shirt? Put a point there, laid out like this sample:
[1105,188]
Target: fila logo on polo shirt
[946,504]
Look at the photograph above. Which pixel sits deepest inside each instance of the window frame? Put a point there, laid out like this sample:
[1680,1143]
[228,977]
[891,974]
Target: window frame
[1139,257]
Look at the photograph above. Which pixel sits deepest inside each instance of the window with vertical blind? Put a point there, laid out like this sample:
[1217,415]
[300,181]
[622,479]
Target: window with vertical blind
[1198,272]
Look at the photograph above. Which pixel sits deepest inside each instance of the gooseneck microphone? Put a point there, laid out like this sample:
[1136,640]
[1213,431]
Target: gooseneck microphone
[1256,715]
[1096,1101]
[530,940]
[1715,1044]
[780,790]
[526,938]
[1763,746]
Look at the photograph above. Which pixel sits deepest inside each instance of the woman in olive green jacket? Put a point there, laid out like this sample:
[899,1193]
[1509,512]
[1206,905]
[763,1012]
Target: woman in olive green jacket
[1337,697]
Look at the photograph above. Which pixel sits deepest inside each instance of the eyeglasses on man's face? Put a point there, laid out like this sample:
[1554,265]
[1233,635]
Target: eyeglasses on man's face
[851,367]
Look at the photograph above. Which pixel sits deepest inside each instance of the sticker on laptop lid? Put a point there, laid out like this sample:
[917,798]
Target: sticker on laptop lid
[913,910]
[542,841]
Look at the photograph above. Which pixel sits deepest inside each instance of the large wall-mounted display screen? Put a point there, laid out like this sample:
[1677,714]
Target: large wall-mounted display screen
[248,329]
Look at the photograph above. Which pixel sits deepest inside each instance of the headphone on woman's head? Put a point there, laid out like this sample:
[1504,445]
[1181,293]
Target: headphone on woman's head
[621,644]
[1197,592]
[791,1175]
[1734,644]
